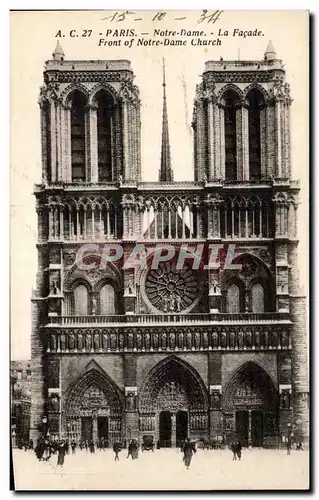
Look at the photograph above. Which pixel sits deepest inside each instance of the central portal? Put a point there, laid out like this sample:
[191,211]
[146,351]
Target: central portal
[165,434]
[181,427]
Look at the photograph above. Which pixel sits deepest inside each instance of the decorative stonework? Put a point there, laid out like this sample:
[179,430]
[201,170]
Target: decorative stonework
[170,290]
[174,339]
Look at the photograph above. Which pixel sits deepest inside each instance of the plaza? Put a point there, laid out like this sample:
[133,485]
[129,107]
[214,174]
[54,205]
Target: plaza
[164,470]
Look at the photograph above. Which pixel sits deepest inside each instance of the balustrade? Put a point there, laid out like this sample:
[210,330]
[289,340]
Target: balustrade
[149,319]
[141,340]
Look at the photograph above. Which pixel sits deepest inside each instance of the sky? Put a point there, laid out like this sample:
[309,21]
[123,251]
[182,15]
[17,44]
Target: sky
[32,43]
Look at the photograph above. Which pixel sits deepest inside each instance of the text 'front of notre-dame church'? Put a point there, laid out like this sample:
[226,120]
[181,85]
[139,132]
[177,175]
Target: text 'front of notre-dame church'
[121,353]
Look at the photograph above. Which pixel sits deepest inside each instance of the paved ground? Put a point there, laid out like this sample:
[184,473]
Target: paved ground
[163,470]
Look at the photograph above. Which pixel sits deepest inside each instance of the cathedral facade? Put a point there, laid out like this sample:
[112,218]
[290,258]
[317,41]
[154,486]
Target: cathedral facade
[207,351]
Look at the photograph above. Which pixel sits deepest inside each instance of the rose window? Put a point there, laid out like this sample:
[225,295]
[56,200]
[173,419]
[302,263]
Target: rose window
[172,290]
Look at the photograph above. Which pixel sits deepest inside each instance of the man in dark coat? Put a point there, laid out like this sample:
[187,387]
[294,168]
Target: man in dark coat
[73,446]
[92,446]
[189,450]
[39,450]
[236,449]
[134,449]
[61,452]
[117,448]
[129,449]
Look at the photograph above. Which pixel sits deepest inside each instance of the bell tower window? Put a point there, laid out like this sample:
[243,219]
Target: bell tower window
[231,101]
[104,133]
[78,137]
[256,101]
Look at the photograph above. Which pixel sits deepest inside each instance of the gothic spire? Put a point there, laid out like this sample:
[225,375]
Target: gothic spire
[166,173]
[58,54]
[270,53]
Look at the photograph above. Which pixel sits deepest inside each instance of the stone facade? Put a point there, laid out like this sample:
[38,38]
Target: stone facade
[121,352]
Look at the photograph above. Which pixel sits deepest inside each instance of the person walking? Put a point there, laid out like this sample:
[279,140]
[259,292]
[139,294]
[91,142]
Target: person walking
[92,446]
[129,449]
[73,446]
[236,449]
[61,452]
[289,443]
[134,449]
[117,448]
[189,450]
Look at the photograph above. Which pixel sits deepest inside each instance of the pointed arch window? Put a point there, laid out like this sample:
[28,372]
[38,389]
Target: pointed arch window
[81,300]
[107,300]
[105,114]
[256,102]
[78,137]
[257,298]
[231,103]
[233,299]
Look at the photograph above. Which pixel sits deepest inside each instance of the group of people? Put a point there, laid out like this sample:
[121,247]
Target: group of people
[45,448]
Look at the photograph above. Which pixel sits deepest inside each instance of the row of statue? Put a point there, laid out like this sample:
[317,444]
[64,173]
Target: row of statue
[130,341]
[147,423]
[198,422]
[285,400]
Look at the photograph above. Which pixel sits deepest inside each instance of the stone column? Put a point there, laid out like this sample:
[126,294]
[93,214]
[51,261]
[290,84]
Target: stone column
[53,125]
[278,134]
[131,414]
[67,157]
[249,428]
[125,140]
[211,140]
[94,430]
[263,142]
[242,142]
[201,139]
[271,139]
[173,436]
[59,140]
[87,127]
[209,219]
[44,140]
[93,139]
[220,168]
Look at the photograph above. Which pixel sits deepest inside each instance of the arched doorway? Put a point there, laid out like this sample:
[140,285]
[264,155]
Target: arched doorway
[173,403]
[93,409]
[165,429]
[250,405]
[181,427]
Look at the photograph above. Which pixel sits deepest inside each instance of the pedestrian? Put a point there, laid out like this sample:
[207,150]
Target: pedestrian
[289,443]
[73,446]
[117,448]
[46,450]
[61,452]
[31,444]
[189,450]
[299,446]
[39,450]
[92,447]
[134,449]
[236,449]
[129,449]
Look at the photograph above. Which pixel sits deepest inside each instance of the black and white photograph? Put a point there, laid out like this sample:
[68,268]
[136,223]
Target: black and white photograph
[159,250]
